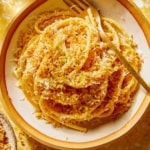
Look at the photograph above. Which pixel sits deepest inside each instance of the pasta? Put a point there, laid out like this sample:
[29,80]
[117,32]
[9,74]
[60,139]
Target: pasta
[71,76]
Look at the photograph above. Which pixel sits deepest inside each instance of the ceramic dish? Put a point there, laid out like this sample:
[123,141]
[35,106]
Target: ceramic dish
[22,112]
[8,138]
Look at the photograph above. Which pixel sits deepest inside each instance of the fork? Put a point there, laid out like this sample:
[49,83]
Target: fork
[81,8]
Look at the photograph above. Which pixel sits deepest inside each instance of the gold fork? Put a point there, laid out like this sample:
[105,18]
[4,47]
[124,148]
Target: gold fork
[81,8]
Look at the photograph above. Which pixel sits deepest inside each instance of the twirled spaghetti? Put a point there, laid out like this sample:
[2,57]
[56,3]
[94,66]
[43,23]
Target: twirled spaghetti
[70,74]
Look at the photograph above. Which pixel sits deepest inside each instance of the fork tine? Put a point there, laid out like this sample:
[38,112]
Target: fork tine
[85,3]
[72,6]
[82,4]
[77,5]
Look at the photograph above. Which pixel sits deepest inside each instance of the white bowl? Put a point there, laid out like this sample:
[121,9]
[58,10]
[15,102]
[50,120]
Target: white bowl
[8,131]
[22,112]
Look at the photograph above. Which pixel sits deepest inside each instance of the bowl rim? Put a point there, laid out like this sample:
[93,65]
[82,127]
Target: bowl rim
[44,139]
[12,140]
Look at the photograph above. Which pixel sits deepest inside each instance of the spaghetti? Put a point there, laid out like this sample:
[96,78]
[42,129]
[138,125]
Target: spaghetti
[70,74]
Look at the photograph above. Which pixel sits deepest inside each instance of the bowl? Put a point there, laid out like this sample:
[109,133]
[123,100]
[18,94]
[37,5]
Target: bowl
[22,112]
[8,138]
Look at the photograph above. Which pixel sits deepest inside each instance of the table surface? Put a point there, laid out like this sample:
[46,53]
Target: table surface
[137,139]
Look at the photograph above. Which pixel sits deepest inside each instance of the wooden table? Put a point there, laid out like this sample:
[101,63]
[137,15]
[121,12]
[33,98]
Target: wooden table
[137,139]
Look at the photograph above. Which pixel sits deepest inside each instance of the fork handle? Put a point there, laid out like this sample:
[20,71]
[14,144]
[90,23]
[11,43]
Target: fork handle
[125,62]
